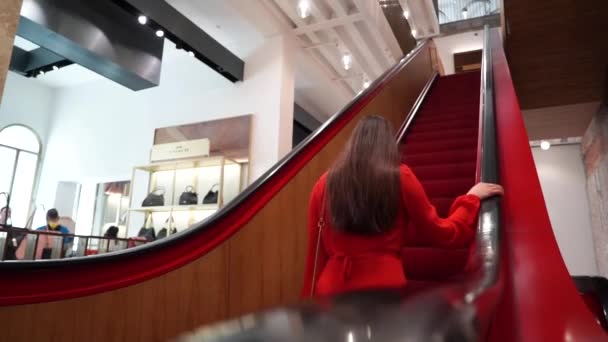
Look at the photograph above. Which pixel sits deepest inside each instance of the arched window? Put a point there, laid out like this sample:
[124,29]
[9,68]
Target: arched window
[19,155]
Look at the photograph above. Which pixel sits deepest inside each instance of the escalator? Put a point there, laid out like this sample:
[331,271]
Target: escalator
[441,148]
[512,285]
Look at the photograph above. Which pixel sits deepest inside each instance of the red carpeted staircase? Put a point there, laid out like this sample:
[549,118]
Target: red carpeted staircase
[441,148]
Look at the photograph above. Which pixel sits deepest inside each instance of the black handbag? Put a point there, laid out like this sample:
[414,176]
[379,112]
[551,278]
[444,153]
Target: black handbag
[147,231]
[155,199]
[188,197]
[163,232]
[212,196]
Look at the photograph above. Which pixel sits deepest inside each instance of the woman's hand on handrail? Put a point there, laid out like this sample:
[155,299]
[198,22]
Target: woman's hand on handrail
[486,190]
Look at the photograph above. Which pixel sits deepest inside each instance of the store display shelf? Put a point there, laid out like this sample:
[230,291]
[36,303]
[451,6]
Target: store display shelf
[201,207]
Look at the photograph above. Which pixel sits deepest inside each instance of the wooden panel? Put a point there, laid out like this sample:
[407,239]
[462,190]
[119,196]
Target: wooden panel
[229,137]
[557,50]
[401,27]
[560,121]
[466,61]
[259,267]
[9,17]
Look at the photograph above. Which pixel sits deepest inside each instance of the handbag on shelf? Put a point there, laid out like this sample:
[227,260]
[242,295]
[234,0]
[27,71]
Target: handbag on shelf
[147,231]
[188,197]
[155,199]
[212,196]
[167,228]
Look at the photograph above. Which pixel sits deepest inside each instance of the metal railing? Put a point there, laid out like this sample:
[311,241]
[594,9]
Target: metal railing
[26,244]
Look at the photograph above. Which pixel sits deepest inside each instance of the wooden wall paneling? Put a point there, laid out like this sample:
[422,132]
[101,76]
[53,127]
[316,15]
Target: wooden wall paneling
[557,50]
[9,19]
[560,121]
[259,267]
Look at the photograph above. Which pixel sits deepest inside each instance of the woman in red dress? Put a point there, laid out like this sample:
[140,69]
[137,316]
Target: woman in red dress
[367,200]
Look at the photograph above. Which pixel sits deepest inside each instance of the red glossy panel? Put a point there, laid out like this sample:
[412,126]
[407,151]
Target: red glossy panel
[539,302]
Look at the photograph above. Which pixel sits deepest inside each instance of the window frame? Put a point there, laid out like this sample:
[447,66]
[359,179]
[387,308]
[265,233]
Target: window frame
[18,151]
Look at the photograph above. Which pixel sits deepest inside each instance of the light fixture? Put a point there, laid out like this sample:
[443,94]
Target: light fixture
[347,61]
[414,32]
[406,14]
[303,9]
[366,84]
[160,33]
[41,72]
[55,67]
[190,53]
[142,19]
[545,145]
[465,13]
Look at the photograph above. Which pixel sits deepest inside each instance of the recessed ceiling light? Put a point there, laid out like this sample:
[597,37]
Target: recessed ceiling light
[190,53]
[366,84]
[406,14]
[303,9]
[55,67]
[142,19]
[465,13]
[545,145]
[414,32]
[41,72]
[347,61]
[160,33]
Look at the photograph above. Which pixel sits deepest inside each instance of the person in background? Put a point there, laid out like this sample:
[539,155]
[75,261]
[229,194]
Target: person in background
[52,225]
[362,207]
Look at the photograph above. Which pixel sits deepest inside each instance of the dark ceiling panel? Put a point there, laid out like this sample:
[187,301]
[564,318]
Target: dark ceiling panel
[97,35]
[557,50]
[182,31]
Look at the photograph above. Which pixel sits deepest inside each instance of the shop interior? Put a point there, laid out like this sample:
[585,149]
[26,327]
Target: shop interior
[122,168]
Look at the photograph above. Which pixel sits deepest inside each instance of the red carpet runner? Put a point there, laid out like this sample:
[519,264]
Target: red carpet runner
[441,149]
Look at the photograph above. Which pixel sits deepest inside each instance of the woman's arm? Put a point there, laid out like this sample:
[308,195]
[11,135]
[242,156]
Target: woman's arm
[314,212]
[457,230]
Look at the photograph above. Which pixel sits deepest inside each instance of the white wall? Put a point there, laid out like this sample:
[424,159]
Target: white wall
[562,179]
[101,130]
[28,103]
[447,46]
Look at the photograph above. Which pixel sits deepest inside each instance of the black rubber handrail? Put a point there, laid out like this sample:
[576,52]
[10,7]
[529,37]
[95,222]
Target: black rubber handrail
[238,200]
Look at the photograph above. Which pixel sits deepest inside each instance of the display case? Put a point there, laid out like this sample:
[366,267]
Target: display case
[204,176]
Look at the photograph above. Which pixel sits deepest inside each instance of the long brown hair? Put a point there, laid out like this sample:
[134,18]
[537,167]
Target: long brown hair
[363,186]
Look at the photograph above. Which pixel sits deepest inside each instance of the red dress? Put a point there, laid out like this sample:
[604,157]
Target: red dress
[348,262]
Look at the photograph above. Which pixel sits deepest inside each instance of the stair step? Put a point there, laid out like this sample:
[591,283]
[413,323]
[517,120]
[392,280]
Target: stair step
[453,187]
[439,146]
[441,135]
[444,171]
[439,158]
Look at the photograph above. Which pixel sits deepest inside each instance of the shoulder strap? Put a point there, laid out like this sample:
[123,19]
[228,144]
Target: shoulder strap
[320,226]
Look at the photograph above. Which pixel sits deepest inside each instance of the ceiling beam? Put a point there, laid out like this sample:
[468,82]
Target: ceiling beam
[370,62]
[328,23]
[183,31]
[324,54]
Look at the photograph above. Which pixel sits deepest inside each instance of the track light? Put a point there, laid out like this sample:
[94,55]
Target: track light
[160,33]
[545,145]
[303,9]
[406,14]
[347,61]
[142,19]
[465,12]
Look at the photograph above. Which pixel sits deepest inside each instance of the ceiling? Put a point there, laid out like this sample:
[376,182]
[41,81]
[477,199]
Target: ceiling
[557,51]
[374,36]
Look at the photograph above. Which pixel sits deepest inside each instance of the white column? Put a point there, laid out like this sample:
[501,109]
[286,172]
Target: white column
[271,70]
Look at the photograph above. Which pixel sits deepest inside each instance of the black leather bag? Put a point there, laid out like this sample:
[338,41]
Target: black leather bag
[155,199]
[212,196]
[147,233]
[188,197]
